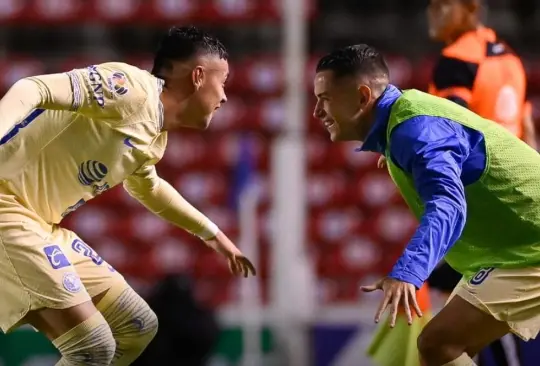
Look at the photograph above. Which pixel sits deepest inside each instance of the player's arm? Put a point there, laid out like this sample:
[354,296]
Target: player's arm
[453,79]
[432,151]
[158,196]
[47,91]
[161,198]
[529,131]
[87,91]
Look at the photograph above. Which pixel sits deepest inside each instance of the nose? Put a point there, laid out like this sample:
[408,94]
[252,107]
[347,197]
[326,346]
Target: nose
[318,112]
[223,100]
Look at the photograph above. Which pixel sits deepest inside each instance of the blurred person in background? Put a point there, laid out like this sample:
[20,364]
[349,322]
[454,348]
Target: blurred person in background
[476,69]
[188,332]
[69,137]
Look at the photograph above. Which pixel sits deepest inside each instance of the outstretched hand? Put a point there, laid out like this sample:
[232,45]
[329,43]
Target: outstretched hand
[238,263]
[396,293]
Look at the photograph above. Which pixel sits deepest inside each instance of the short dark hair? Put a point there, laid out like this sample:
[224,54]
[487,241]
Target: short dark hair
[182,43]
[359,59]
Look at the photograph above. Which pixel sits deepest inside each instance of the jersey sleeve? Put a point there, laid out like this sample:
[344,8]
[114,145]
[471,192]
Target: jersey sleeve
[158,196]
[431,151]
[26,95]
[110,91]
[114,92]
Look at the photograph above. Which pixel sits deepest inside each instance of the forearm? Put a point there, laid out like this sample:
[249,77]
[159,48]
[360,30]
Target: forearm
[47,91]
[433,151]
[165,201]
[439,229]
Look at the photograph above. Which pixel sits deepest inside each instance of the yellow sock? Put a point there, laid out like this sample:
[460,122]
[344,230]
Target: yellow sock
[90,343]
[132,322]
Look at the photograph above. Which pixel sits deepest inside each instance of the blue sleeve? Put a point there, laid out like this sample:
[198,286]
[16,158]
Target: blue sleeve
[433,151]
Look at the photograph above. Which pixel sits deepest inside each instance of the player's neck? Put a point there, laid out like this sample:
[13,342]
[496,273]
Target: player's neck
[469,27]
[169,120]
[364,124]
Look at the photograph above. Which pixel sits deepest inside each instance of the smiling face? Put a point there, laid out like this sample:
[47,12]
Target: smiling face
[342,105]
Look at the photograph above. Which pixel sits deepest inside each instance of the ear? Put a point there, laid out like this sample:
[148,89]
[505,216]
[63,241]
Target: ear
[365,94]
[197,76]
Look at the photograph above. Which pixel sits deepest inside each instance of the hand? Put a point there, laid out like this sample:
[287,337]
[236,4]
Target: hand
[395,293]
[381,163]
[238,263]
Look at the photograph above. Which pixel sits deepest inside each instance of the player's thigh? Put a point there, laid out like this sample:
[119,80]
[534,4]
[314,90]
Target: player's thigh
[460,326]
[511,296]
[35,272]
[489,305]
[96,274]
[55,322]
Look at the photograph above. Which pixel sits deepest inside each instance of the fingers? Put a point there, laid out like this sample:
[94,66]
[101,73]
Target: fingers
[381,163]
[405,302]
[415,304]
[382,307]
[233,266]
[371,288]
[396,294]
[240,265]
[394,307]
[249,267]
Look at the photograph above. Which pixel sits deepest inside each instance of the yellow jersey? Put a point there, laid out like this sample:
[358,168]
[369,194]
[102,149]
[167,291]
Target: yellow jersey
[56,159]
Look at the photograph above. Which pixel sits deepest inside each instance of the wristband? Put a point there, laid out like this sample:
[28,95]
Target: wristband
[209,231]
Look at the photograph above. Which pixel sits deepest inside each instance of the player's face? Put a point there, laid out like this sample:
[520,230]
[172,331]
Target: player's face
[201,93]
[209,93]
[341,106]
[444,17]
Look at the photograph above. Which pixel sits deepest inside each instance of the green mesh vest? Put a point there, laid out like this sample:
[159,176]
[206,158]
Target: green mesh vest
[503,207]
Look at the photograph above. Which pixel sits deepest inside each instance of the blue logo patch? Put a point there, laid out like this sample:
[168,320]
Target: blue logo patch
[56,257]
[481,276]
[72,282]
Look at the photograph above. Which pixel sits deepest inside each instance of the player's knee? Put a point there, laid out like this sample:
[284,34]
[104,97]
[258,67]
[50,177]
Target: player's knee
[133,324]
[143,330]
[89,343]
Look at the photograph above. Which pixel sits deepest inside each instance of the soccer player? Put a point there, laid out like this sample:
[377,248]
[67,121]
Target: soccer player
[473,186]
[71,136]
[480,72]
